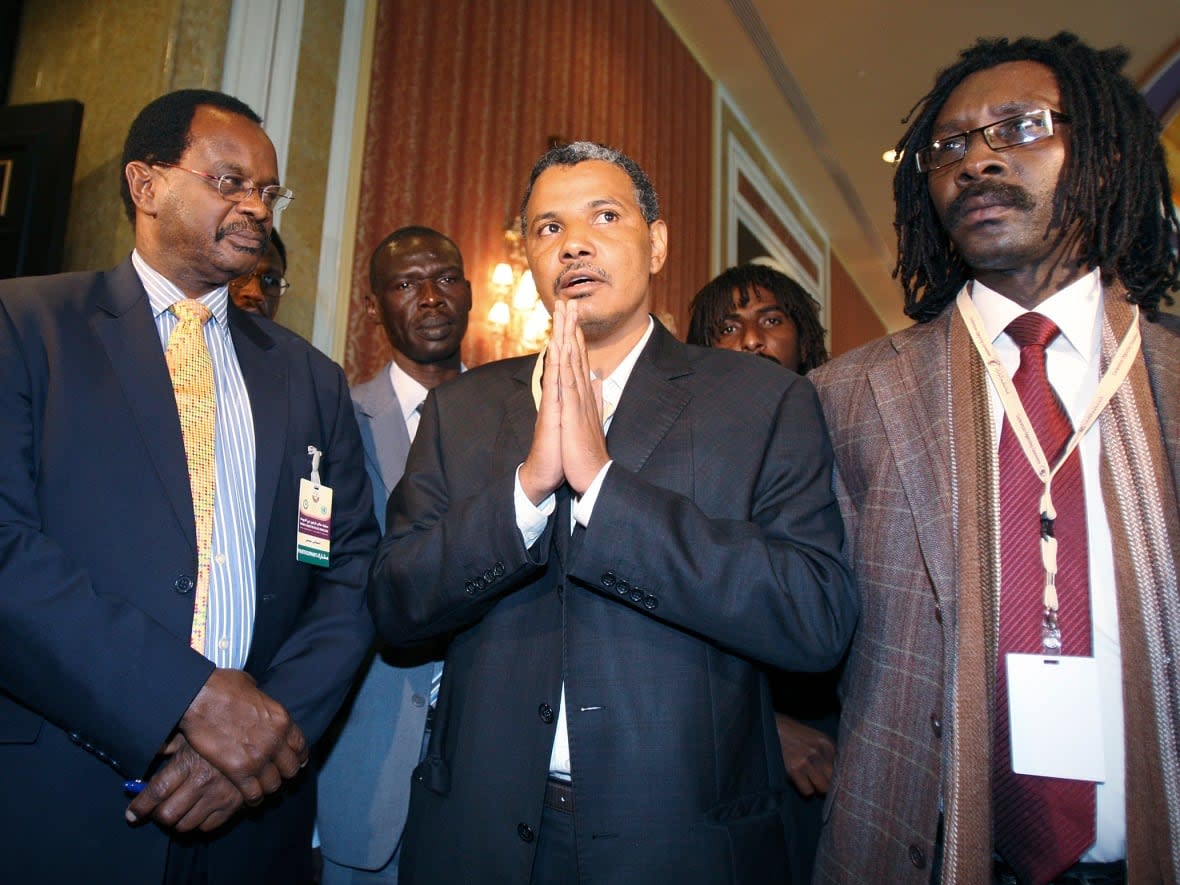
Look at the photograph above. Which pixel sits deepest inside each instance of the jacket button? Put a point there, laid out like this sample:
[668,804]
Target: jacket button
[622,587]
[936,724]
[418,700]
[917,857]
[498,569]
[650,603]
[489,576]
[183,584]
[546,713]
[525,832]
[637,594]
[608,579]
[469,588]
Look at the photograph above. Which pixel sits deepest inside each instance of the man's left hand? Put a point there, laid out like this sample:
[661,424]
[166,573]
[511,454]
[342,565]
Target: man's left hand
[808,754]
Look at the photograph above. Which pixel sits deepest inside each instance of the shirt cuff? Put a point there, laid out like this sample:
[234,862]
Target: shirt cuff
[583,508]
[531,519]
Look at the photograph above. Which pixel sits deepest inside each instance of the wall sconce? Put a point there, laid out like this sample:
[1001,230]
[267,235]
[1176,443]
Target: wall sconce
[517,314]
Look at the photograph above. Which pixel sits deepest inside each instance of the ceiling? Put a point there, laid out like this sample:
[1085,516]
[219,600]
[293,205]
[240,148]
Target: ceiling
[825,86]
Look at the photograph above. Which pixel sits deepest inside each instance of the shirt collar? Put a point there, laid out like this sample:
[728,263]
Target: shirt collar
[410,393]
[613,384]
[163,293]
[1076,310]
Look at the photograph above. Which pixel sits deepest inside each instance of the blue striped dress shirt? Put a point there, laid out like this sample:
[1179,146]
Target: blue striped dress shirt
[232,579]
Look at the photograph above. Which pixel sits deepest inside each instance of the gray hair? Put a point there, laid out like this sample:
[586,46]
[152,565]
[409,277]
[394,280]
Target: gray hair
[579,152]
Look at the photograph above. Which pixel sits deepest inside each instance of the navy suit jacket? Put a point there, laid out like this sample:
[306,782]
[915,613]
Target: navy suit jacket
[714,546]
[364,785]
[97,554]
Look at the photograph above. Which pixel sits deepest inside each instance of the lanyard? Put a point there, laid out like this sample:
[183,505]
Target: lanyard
[1113,378]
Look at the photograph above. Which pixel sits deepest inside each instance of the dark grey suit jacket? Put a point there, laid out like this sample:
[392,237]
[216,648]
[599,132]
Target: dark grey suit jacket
[714,546]
[97,554]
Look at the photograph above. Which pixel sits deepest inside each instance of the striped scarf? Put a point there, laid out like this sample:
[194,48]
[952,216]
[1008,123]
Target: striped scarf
[1139,486]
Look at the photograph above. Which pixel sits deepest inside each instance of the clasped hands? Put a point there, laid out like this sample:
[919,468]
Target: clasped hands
[234,745]
[568,441]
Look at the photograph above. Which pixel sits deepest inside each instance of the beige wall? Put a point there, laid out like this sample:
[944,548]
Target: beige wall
[114,58]
[307,159]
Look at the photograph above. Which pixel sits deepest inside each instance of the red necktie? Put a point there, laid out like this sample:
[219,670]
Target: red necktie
[1042,825]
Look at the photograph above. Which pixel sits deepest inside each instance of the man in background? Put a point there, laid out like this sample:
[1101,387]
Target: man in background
[259,291]
[165,658]
[421,298]
[1008,472]
[755,309]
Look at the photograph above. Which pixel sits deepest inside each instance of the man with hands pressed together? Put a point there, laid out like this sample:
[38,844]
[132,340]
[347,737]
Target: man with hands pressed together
[159,636]
[607,576]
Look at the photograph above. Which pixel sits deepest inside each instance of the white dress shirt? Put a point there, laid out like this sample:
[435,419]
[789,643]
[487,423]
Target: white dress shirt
[1073,363]
[531,520]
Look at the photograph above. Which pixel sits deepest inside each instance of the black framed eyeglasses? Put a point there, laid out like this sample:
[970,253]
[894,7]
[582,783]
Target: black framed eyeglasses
[236,189]
[1010,132]
[272,286]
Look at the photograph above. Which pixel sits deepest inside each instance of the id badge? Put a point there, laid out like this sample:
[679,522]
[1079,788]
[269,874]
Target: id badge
[1055,717]
[313,537]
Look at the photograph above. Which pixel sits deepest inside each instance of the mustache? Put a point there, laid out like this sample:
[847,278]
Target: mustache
[253,227]
[574,270]
[992,193]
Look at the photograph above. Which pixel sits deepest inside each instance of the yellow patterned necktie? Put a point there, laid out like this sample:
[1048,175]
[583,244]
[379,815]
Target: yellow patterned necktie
[192,382]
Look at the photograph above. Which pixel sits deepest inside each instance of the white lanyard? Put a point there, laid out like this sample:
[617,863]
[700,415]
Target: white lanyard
[1115,374]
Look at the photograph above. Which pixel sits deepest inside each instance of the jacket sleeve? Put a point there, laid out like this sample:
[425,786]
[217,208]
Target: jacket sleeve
[772,586]
[311,670]
[93,664]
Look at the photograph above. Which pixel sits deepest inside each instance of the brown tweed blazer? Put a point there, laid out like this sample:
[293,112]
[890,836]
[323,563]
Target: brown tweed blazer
[886,408]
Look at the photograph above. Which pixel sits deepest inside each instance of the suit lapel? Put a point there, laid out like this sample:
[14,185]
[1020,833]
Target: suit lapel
[389,441]
[1162,358]
[911,395]
[125,326]
[651,401]
[264,371]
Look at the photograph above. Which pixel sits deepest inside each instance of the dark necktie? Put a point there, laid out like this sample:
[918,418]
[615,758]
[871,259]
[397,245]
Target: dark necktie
[1042,825]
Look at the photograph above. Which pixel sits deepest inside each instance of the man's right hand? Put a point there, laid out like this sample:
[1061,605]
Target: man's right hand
[248,736]
[542,472]
[187,793]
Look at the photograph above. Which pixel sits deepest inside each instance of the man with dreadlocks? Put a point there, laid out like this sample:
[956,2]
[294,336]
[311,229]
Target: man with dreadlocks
[1008,474]
[756,309]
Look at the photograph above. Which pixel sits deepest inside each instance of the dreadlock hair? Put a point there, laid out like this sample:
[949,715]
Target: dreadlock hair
[161,131]
[1114,188]
[715,300]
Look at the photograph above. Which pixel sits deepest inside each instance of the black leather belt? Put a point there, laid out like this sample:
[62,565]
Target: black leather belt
[1114,873]
[559,795]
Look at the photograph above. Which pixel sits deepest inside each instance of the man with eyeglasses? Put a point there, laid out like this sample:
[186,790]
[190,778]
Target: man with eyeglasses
[1008,473]
[170,649]
[258,292]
